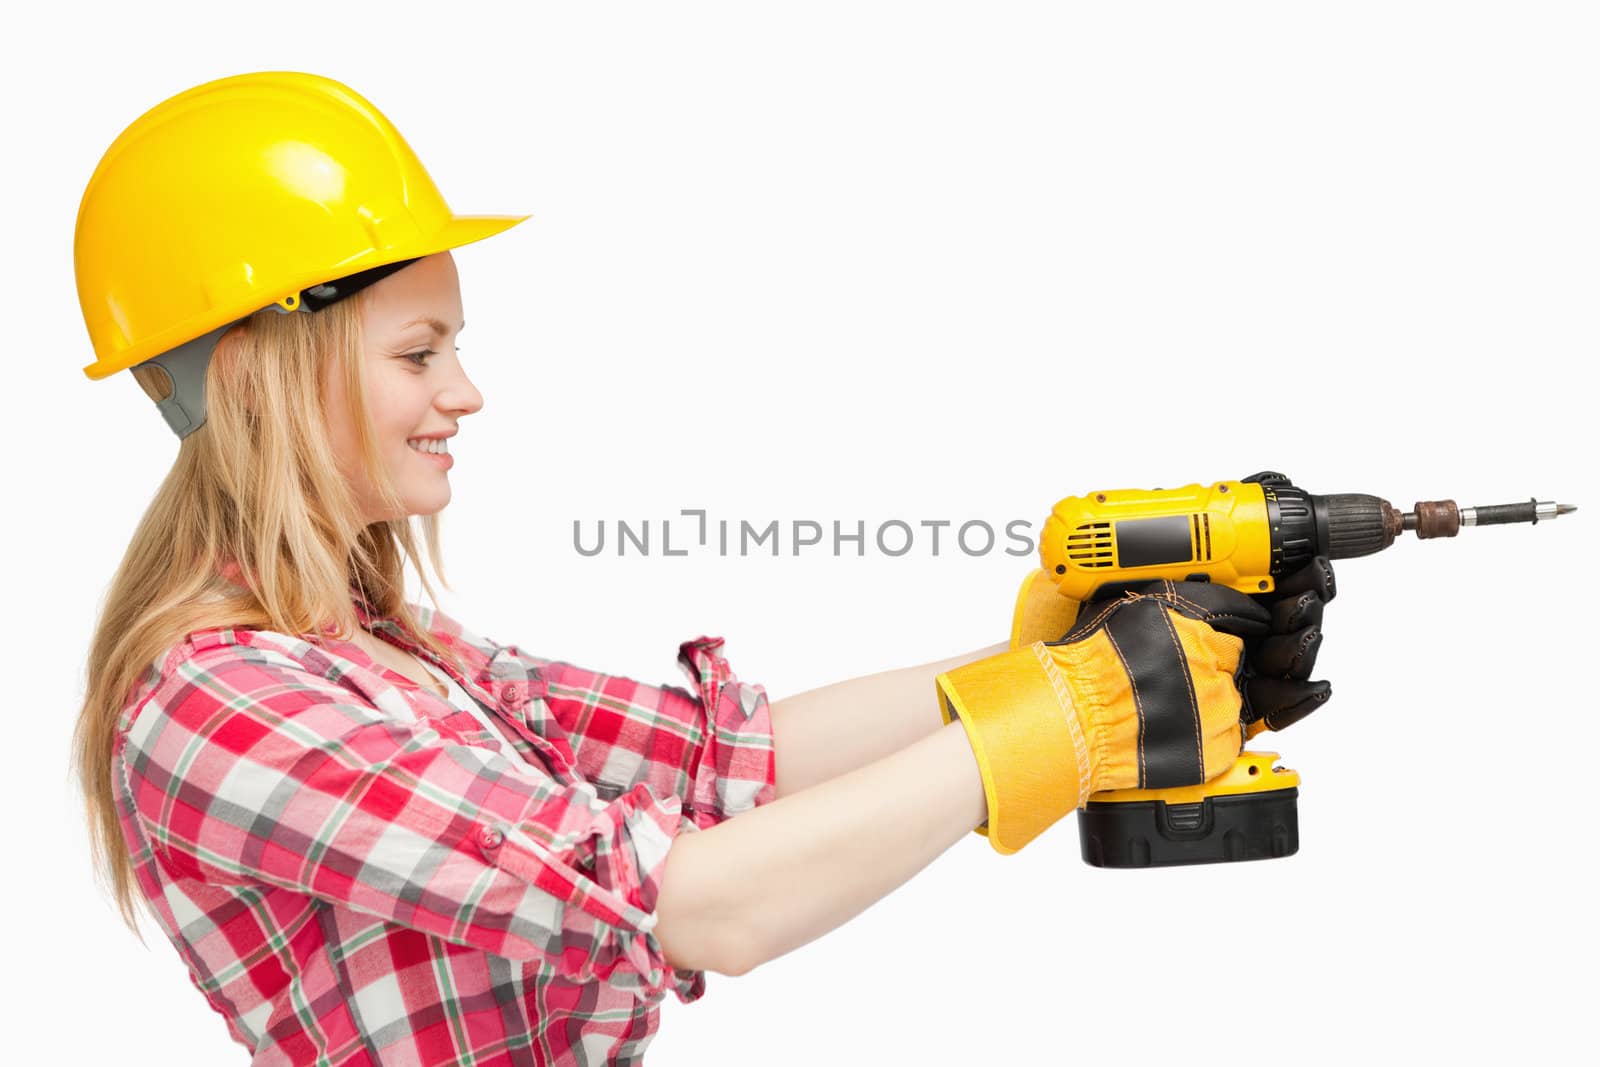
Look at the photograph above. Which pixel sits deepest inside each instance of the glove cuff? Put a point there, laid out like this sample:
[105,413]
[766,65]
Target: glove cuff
[1024,727]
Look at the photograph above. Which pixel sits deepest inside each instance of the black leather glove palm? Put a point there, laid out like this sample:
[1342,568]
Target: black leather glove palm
[1277,688]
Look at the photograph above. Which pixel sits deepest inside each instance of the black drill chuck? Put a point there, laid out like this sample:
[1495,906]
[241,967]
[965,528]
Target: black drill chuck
[1338,526]
[1356,524]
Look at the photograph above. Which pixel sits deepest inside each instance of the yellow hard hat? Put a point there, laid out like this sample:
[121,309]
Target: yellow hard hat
[241,194]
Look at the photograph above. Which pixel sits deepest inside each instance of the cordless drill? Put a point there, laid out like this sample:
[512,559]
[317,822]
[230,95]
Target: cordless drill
[1246,535]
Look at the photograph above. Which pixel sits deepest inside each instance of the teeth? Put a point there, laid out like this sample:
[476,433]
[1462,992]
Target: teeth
[423,445]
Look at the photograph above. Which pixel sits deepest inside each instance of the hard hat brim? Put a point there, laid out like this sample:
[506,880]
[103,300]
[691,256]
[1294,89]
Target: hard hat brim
[457,231]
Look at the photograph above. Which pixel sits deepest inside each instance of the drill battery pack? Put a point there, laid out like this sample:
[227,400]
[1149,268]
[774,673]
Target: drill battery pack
[1248,813]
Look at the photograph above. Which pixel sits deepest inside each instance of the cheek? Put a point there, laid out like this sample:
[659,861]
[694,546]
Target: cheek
[396,410]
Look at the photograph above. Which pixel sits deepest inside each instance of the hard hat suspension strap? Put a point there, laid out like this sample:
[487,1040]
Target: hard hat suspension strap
[184,405]
[318,297]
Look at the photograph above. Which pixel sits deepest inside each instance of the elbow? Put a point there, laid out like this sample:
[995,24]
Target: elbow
[694,926]
[704,917]
[741,952]
[703,944]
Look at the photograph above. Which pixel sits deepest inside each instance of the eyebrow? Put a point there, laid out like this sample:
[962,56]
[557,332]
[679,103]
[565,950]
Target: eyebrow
[436,325]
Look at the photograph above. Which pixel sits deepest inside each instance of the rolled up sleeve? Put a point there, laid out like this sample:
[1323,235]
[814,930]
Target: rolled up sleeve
[244,768]
[711,747]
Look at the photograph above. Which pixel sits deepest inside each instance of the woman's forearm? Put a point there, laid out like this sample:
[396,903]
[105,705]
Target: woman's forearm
[770,880]
[823,733]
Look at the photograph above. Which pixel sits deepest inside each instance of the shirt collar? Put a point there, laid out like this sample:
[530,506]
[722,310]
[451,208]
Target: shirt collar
[368,618]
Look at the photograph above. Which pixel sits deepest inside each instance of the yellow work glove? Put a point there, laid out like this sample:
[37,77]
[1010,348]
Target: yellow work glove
[1142,692]
[1278,691]
[1043,612]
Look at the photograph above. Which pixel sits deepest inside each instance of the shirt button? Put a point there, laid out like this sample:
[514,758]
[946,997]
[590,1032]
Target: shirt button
[513,695]
[490,838]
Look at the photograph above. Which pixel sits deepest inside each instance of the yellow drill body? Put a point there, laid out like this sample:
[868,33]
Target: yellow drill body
[1119,536]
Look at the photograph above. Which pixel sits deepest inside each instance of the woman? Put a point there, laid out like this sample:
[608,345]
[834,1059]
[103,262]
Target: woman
[377,837]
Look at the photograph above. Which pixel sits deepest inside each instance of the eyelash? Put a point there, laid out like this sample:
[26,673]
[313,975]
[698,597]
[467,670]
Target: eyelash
[421,358]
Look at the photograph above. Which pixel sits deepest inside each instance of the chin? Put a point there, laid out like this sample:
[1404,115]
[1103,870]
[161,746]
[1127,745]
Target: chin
[423,510]
[429,505]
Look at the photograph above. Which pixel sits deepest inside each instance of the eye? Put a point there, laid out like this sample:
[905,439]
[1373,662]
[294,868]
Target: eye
[421,358]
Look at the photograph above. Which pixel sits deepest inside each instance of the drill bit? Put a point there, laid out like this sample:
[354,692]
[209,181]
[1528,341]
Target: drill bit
[1441,518]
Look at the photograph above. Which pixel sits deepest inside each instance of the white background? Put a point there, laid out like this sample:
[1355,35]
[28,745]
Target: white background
[936,261]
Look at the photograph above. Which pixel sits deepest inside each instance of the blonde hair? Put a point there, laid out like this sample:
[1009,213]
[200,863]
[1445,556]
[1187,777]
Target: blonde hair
[257,486]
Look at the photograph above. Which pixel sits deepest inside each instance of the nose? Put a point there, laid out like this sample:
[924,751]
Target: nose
[459,397]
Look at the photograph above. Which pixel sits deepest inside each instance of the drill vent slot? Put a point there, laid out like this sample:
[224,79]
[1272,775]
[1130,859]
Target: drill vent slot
[1202,536]
[1090,545]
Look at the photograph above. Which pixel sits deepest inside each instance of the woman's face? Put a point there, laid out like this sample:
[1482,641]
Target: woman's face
[416,390]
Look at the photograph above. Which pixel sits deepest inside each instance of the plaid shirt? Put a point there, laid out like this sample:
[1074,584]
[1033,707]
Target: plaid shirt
[355,873]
